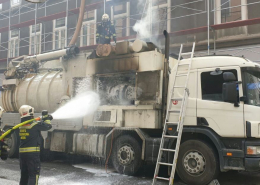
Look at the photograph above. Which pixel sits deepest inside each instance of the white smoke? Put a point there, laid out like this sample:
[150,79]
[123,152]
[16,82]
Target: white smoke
[143,27]
[83,104]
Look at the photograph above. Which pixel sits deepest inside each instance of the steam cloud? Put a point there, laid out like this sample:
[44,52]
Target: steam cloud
[149,17]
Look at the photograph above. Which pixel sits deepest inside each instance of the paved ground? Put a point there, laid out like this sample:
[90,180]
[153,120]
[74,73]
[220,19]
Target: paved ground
[60,173]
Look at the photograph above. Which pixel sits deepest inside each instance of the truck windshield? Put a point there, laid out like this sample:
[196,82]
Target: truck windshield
[251,83]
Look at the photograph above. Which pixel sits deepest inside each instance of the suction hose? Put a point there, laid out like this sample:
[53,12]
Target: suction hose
[79,24]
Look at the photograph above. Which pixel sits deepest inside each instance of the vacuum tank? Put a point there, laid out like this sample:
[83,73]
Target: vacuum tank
[41,91]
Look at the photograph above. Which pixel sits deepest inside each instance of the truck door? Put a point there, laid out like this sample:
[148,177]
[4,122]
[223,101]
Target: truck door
[223,117]
[251,85]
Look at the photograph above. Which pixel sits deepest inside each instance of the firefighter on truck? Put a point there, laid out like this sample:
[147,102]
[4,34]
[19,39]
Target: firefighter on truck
[105,31]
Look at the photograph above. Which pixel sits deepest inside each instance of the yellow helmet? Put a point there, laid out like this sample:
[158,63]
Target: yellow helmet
[26,110]
[105,18]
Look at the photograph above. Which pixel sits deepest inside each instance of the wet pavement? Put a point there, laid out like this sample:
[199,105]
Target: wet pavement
[60,173]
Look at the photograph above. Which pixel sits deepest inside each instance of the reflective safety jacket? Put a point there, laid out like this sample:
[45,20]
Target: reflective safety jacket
[30,136]
[3,148]
[104,33]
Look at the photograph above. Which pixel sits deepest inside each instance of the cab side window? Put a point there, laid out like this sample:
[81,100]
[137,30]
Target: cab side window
[211,85]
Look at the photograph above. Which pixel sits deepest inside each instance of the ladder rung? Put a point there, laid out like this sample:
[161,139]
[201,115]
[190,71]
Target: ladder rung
[178,99]
[167,150]
[166,164]
[170,136]
[179,87]
[162,178]
[172,123]
[188,53]
[183,64]
[174,111]
[182,75]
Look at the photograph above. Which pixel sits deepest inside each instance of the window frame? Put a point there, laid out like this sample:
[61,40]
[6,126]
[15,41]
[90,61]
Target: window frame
[59,29]
[228,8]
[122,15]
[16,39]
[239,78]
[15,5]
[32,34]
[90,22]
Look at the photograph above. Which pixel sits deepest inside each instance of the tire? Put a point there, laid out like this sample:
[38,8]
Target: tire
[198,163]
[13,143]
[126,155]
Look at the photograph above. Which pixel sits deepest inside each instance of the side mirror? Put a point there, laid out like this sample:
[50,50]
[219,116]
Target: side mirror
[229,93]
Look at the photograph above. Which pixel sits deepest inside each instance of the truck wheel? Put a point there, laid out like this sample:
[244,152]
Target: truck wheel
[13,143]
[126,155]
[197,163]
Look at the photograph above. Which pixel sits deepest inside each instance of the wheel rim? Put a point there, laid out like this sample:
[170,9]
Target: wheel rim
[126,155]
[194,163]
[9,142]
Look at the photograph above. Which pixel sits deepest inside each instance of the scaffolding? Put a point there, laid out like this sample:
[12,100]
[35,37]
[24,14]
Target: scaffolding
[164,22]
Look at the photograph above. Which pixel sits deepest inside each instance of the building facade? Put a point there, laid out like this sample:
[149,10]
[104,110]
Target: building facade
[27,29]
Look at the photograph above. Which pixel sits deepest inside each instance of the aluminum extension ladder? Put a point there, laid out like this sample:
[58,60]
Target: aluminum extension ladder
[180,118]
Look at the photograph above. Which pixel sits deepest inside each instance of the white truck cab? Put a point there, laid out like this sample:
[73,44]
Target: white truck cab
[222,122]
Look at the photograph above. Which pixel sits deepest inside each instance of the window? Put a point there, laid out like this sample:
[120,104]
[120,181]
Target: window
[88,31]
[35,39]
[211,85]
[15,3]
[59,33]
[14,44]
[159,2]
[160,11]
[230,10]
[120,17]
[251,84]
[1,6]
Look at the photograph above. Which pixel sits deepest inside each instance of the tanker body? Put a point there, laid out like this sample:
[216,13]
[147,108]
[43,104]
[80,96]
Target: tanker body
[220,130]
[130,85]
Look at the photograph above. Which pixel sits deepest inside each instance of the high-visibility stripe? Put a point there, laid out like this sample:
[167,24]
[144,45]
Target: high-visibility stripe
[29,126]
[47,121]
[37,178]
[29,149]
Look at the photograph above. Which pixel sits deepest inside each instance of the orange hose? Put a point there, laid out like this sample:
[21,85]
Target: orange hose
[106,164]
[79,24]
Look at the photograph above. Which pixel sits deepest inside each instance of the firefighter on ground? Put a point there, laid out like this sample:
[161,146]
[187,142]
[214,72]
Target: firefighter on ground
[30,142]
[3,145]
[105,31]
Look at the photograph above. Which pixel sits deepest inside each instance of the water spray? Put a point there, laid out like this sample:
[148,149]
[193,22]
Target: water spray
[83,104]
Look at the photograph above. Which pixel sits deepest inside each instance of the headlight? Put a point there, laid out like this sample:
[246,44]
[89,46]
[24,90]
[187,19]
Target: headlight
[253,150]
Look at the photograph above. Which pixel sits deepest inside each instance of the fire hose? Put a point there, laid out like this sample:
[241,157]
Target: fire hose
[3,146]
[17,126]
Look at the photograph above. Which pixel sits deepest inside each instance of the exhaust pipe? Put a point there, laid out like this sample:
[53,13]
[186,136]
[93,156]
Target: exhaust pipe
[165,75]
[167,45]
